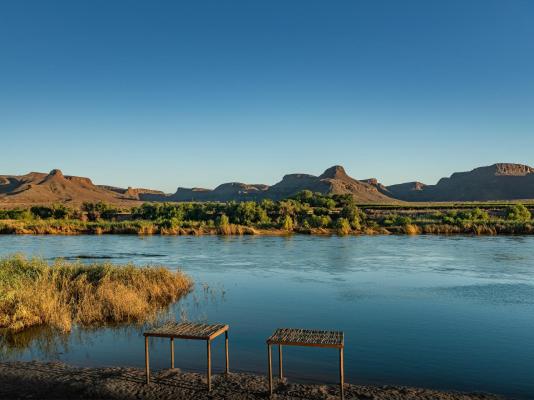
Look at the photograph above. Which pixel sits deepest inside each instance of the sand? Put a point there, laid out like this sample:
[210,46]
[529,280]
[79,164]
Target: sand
[37,380]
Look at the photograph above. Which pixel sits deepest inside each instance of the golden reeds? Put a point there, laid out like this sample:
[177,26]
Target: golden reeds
[32,292]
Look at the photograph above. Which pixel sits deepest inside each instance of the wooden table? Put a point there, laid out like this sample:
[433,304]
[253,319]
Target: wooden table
[187,330]
[310,338]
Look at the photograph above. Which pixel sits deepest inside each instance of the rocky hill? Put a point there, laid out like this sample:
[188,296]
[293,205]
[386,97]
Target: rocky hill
[42,188]
[495,182]
[225,192]
[334,181]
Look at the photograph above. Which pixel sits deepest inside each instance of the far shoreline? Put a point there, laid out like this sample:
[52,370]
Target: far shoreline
[145,228]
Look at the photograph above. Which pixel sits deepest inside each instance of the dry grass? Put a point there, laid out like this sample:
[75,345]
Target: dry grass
[32,293]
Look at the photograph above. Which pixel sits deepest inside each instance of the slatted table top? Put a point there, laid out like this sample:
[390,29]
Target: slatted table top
[188,330]
[306,337]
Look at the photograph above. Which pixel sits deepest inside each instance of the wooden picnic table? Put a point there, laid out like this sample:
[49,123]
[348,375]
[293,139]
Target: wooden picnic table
[188,330]
[309,338]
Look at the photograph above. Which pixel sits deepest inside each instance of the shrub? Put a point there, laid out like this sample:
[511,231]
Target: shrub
[287,223]
[353,214]
[223,225]
[342,226]
[518,213]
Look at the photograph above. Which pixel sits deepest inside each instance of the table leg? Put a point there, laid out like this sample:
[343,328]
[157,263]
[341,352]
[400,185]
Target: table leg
[226,349]
[172,353]
[147,367]
[209,364]
[341,374]
[280,361]
[269,352]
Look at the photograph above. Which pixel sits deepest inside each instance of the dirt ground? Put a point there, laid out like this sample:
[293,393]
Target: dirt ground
[36,380]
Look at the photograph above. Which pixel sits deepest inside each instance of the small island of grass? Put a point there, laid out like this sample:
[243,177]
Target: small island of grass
[34,292]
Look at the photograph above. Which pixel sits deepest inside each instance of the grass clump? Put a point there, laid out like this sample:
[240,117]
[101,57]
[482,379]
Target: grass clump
[33,293]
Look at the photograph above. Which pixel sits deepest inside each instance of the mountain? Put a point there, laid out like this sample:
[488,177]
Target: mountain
[494,182]
[133,193]
[225,192]
[41,188]
[504,181]
[332,181]
[407,191]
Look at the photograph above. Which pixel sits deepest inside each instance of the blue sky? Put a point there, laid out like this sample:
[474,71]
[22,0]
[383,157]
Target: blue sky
[165,94]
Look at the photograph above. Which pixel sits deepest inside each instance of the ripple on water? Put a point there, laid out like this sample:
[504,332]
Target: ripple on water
[494,293]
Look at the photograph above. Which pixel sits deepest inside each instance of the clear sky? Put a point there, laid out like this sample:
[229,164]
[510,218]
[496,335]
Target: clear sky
[165,94]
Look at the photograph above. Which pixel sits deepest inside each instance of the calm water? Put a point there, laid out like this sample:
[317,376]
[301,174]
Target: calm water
[440,312]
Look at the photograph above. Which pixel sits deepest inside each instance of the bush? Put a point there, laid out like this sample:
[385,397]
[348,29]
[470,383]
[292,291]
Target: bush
[518,213]
[95,211]
[353,214]
[287,223]
[342,226]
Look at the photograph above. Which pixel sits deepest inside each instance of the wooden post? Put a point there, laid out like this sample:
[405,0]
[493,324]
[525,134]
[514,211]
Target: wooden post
[270,370]
[280,361]
[341,374]
[172,353]
[147,367]
[209,364]
[226,349]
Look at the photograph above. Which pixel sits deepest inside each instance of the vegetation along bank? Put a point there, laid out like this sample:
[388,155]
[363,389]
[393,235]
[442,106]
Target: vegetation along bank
[305,213]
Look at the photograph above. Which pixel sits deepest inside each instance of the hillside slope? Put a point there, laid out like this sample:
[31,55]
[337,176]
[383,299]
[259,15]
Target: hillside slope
[41,188]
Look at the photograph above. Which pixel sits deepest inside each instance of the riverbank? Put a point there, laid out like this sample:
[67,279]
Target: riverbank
[74,227]
[28,380]
[306,213]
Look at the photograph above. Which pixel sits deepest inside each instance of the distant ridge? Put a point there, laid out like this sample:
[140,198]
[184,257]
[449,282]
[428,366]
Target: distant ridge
[334,181]
[502,181]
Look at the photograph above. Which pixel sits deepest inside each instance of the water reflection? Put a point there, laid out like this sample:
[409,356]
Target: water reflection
[44,340]
[50,343]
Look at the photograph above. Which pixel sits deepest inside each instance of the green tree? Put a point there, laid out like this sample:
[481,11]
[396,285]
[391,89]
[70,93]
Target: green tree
[42,212]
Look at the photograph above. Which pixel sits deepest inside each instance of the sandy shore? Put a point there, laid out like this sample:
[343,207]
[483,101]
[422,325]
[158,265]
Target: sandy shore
[35,380]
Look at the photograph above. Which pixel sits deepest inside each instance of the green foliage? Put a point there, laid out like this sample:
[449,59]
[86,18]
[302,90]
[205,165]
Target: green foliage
[319,221]
[343,226]
[287,223]
[306,210]
[223,221]
[16,213]
[518,213]
[58,211]
[96,211]
[396,220]
[42,212]
[353,215]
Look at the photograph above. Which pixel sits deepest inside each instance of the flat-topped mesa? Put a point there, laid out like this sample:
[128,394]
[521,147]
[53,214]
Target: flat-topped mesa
[335,172]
